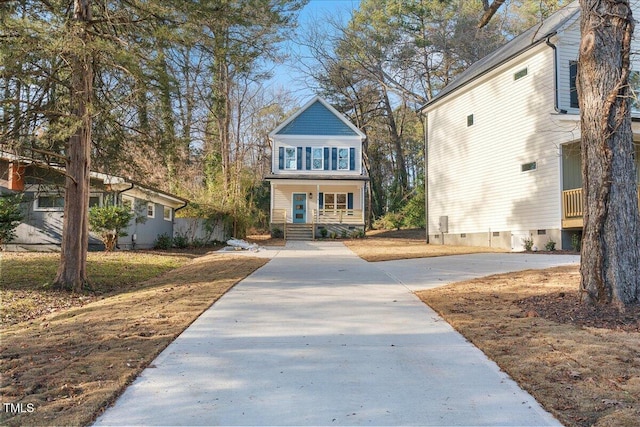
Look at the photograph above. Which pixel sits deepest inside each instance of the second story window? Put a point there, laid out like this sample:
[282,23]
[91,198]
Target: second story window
[573,92]
[317,158]
[343,159]
[290,161]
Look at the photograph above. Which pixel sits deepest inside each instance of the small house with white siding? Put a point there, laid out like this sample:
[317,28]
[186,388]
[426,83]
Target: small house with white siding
[503,143]
[318,181]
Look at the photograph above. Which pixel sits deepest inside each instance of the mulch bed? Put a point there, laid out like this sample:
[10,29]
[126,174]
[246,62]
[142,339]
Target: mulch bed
[566,307]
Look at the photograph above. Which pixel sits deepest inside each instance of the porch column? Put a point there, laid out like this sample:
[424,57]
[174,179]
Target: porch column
[317,203]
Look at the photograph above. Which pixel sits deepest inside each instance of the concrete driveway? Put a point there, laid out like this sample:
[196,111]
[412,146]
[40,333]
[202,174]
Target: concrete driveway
[320,337]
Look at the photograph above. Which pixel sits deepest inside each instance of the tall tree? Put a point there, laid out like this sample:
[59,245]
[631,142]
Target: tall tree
[610,256]
[72,272]
[610,263]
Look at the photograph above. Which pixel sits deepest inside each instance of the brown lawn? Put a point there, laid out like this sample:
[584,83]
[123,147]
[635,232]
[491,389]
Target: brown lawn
[71,360]
[383,245]
[67,365]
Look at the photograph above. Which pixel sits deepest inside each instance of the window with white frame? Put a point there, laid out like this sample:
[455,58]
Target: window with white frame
[343,159]
[290,158]
[317,158]
[151,210]
[55,202]
[167,213]
[335,201]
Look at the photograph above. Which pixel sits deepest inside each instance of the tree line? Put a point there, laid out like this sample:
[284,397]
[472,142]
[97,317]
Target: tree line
[172,93]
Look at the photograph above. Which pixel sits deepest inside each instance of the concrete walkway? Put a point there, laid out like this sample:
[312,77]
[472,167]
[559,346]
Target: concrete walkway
[320,337]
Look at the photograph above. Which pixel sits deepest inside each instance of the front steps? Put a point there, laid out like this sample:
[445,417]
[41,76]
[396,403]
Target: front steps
[299,232]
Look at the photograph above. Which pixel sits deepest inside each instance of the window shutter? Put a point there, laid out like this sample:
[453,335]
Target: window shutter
[334,158]
[349,200]
[326,158]
[308,158]
[281,158]
[299,160]
[352,160]
[321,200]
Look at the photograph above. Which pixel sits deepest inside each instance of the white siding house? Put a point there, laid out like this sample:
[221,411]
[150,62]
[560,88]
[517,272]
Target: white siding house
[503,152]
[317,180]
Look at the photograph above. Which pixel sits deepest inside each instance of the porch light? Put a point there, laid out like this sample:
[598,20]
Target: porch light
[310,196]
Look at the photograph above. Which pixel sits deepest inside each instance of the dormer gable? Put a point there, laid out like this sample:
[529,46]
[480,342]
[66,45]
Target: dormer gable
[317,118]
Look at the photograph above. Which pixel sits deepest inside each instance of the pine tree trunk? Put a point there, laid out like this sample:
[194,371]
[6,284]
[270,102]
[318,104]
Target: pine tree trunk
[610,265]
[75,227]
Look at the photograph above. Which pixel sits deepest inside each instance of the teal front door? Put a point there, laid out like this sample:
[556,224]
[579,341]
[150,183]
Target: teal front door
[299,208]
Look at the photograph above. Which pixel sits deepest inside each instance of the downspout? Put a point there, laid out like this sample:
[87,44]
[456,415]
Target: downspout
[555,76]
[118,193]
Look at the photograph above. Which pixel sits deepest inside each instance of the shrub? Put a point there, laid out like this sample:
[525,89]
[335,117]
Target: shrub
[110,221]
[527,242]
[357,234]
[550,246]
[343,234]
[10,217]
[390,221]
[276,233]
[163,241]
[576,242]
[181,241]
[324,232]
[333,235]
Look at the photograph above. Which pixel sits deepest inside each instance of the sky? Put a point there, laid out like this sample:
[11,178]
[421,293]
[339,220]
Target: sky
[285,76]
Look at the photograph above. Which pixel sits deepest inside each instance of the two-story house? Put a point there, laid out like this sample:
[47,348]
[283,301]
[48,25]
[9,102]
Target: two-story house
[503,143]
[317,181]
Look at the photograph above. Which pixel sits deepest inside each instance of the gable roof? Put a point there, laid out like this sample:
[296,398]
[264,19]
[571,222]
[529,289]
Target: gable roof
[116,183]
[317,118]
[535,35]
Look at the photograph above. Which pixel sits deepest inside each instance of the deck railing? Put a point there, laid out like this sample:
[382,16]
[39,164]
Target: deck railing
[573,203]
[322,216]
[341,216]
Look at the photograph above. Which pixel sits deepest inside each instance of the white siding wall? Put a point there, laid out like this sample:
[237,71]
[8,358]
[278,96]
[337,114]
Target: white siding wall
[568,46]
[475,173]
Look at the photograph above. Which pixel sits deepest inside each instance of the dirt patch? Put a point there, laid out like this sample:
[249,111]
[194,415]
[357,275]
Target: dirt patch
[66,367]
[581,364]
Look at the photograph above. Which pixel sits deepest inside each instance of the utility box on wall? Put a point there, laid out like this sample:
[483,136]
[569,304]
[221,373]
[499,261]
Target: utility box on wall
[444,224]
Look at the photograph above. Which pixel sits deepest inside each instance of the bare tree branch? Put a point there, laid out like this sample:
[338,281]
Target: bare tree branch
[489,11]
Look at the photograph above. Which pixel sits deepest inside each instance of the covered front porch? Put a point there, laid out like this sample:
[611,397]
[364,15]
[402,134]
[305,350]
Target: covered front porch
[572,196]
[304,209]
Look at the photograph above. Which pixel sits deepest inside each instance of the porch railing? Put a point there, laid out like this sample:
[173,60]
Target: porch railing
[322,216]
[573,203]
[341,216]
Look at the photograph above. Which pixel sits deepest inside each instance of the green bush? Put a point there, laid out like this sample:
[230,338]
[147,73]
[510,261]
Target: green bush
[181,241]
[527,242]
[390,221]
[277,233]
[10,217]
[576,242]
[550,246]
[163,241]
[110,221]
